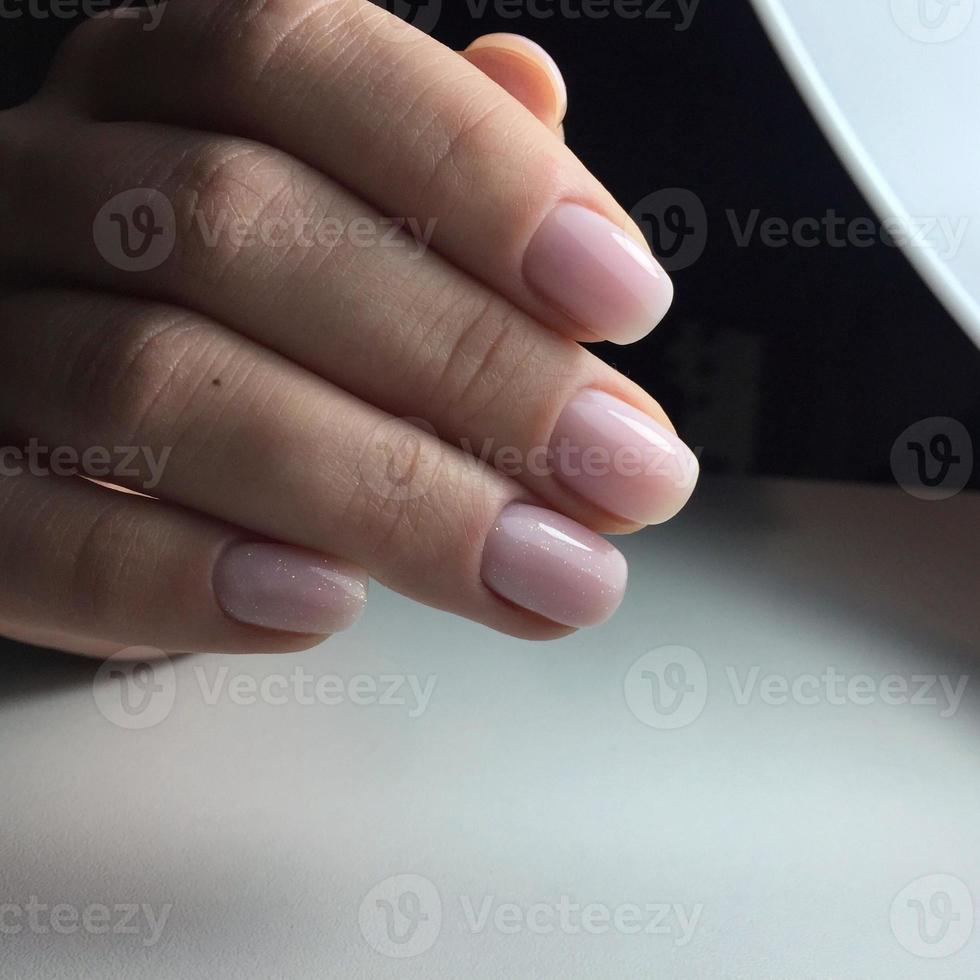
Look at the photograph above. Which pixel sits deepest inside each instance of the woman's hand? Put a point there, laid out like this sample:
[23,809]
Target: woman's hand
[312,285]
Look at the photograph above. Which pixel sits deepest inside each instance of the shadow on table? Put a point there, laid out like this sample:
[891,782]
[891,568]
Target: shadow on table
[907,567]
[871,555]
[26,671]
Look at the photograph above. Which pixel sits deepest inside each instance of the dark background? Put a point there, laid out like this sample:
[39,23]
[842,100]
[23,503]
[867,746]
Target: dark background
[804,362]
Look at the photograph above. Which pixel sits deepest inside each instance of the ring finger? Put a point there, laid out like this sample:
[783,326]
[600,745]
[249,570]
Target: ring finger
[254,440]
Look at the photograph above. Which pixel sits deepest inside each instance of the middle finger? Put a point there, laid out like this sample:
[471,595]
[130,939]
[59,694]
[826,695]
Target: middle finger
[265,244]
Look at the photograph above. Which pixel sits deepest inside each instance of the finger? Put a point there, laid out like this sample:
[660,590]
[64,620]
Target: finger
[259,442]
[400,328]
[93,571]
[413,129]
[526,71]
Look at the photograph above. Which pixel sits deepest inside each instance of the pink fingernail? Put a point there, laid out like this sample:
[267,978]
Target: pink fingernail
[289,589]
[547,563]
[597,274]
[621,459]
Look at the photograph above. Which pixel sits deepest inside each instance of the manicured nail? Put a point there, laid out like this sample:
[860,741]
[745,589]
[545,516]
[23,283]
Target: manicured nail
[547,563]
[289,589]
[621,459]
[518,46]
[597,274]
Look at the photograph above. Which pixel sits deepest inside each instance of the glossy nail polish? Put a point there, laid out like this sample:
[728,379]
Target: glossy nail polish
[597,274]
[289,589]
[551,565]
[622,460]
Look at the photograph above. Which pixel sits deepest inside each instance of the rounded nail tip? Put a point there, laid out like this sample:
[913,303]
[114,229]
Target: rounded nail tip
[584,618]
[668,506]
[600,614]
[308,625]
[645,323]
[284,589]
[593,602]
[552,566]
[661,504]
[664,507]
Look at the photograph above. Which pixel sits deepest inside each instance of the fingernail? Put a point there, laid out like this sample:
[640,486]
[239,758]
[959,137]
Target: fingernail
[290,589]
[544,562]
[621,459]
[524,47]
[594,271]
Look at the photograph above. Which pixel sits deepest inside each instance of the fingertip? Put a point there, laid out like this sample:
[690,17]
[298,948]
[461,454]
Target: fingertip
[524,69]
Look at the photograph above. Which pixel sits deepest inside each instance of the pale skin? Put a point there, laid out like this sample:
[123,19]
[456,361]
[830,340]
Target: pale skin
[273,378]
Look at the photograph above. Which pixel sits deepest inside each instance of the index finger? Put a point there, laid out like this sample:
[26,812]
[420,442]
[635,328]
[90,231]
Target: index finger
[406,123]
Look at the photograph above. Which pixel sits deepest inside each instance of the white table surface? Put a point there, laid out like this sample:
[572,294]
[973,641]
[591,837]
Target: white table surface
[755,840]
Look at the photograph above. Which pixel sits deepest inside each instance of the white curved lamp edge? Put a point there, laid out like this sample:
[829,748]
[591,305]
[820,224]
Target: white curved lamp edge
[957,300]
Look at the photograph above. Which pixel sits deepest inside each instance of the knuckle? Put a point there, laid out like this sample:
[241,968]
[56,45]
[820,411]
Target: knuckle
[82,49]
[224,196]
[25,165]
[137,387]
[100,578]
[497,366]
[459,145]
[391,505]
[433,515]
[253,36]
[80,63]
